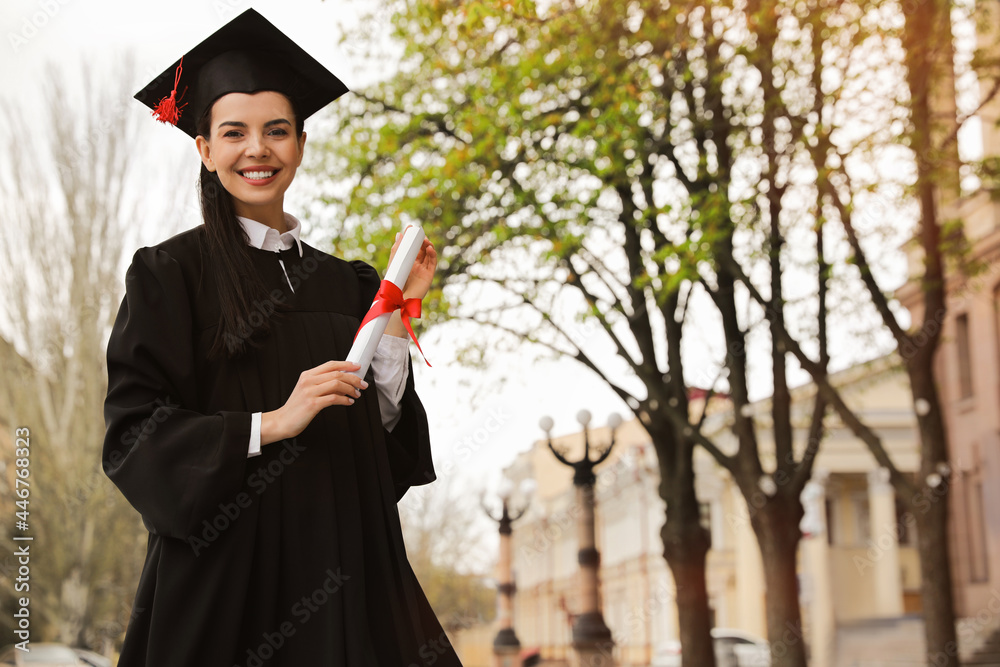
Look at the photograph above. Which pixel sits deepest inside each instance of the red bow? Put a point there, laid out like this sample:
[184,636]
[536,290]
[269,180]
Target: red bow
[388,299]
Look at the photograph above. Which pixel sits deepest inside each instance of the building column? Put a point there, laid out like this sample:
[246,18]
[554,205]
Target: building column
[883,546]
[816,562]
[751,611]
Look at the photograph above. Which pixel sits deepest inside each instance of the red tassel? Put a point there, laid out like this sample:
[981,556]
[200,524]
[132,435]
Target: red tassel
[167,109]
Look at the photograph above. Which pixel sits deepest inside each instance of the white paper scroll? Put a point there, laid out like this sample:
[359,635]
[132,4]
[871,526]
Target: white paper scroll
[399,270]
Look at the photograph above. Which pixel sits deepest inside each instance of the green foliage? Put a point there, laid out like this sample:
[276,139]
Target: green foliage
[622,150]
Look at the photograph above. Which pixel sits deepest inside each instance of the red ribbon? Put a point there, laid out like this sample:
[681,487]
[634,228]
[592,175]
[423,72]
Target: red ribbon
[389,298]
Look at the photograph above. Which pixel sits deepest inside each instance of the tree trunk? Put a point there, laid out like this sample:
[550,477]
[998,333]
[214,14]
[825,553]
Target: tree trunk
[930,507]
[685,548]
[685,544]
[935,584]
[776,525]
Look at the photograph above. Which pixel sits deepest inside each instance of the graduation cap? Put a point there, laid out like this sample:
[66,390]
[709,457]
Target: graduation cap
[246,55]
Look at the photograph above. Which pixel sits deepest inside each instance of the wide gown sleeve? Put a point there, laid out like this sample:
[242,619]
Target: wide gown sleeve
[173,464]
[408,444]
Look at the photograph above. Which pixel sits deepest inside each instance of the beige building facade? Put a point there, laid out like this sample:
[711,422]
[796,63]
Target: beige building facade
[968,371]
[858,562]
[967,367]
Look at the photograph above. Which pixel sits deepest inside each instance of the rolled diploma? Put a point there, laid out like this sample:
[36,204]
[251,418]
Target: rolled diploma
[399,270]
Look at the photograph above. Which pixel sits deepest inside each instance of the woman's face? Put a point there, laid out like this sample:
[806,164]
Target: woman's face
[253,148]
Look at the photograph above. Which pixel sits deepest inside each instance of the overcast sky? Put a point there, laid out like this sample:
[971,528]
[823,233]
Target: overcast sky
[472,442]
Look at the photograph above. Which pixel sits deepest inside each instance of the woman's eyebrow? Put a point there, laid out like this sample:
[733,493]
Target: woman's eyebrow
[236,123]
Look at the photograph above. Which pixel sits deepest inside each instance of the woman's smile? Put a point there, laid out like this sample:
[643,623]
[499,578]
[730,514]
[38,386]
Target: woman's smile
[259,175]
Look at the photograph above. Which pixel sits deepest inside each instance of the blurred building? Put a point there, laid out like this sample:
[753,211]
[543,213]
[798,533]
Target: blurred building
[967,369]
[857,565]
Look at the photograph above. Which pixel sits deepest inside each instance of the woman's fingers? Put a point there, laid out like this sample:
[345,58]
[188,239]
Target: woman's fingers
[323,372]
[395,246]
[419,281]
[328,382]
[341,376]
[333,365]
[338,385]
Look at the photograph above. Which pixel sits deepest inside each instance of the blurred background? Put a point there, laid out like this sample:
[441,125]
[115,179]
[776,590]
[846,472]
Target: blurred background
[763,232]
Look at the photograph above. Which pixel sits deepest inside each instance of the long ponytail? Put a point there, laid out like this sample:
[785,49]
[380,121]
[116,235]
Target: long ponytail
[239,285]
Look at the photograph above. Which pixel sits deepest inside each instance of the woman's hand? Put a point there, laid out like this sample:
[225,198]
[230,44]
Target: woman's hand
[328,384]
[422,273]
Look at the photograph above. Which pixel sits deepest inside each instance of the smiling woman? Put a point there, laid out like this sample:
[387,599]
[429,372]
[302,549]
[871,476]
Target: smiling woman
[270,481]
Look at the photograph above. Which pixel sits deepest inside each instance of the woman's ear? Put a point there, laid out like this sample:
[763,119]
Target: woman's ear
[205,151]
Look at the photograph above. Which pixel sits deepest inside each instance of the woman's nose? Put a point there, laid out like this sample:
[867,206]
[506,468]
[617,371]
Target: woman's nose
[256,146]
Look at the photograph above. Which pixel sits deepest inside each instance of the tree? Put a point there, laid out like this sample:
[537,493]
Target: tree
[931,131]
[72,195]
[588,160]
[442,534]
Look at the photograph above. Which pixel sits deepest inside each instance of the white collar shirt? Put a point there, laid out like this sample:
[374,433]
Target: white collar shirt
[267,238]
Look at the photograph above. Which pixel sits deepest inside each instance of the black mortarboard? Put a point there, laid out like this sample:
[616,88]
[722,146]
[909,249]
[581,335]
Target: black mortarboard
[246,55]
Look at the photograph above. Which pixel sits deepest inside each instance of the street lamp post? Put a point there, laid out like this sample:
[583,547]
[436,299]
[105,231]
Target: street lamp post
[506,645]
[592,641]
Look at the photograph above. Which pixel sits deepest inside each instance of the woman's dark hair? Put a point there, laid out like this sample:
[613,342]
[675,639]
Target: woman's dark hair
[246,307]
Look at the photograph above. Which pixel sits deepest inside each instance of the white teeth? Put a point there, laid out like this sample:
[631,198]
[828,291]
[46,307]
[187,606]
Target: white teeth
[258,175]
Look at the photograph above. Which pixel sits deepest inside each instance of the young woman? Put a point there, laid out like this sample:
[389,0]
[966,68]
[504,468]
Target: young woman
[266,472]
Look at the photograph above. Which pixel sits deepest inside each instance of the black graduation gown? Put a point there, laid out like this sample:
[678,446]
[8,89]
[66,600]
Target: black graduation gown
[294,557]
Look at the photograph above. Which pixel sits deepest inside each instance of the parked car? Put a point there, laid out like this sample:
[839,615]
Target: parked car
[40,655]
[92,659]
[733,648]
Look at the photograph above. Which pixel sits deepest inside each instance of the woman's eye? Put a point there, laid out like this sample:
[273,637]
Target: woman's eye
[276,132]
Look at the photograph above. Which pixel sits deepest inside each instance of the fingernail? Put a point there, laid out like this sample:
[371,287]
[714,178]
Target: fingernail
[350,400]
[357,392]
[364,385]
